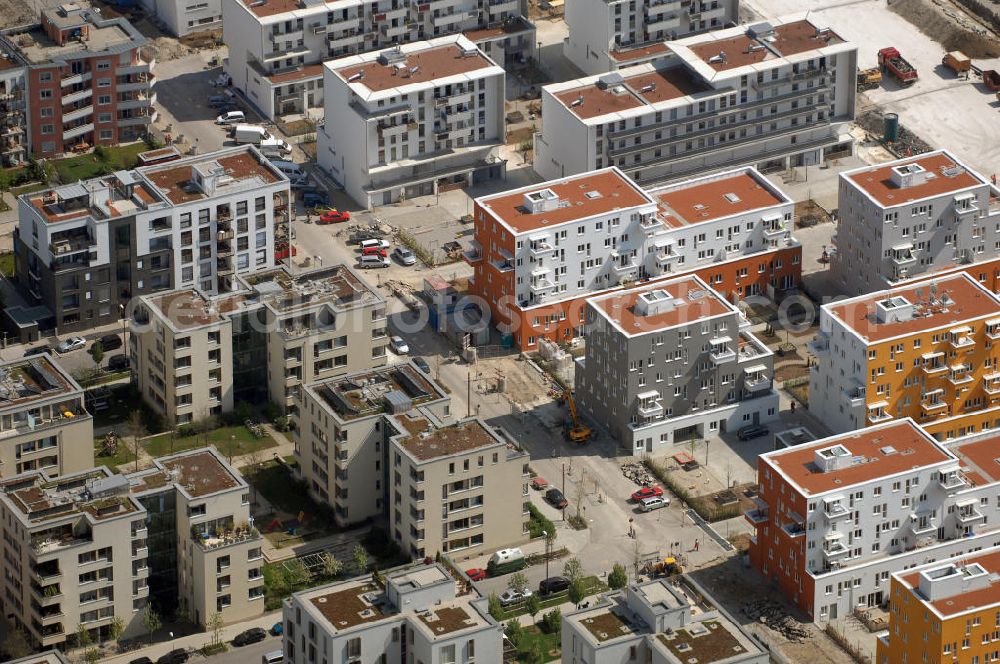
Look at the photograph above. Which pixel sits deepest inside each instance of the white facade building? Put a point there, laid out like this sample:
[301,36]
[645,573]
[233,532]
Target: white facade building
[606,35]
[773,95]
[412,119]
[277,47]
[185,17]
[913,217]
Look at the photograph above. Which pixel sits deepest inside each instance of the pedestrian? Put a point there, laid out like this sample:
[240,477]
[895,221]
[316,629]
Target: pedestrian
[696,543]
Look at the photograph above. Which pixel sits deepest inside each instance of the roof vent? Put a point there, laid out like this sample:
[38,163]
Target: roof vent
[895,309]
[888,450]
[648,88]
[543,200]
[611,80]
[718,59]
[909,175]
[391,56]
[577,102]
[356,77]
[654,302]
[593,195]
[732,198]
[618,90]
[469,51]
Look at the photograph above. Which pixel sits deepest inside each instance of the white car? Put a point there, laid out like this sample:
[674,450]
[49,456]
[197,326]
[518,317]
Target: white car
[509,596]
[231,117]
[404,256]
[399,346]
[71,344]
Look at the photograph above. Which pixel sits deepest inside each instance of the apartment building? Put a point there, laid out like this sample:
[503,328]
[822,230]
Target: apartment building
[197,355]
[607,35]
[923,351]
[412,120]
[278,47]
[343,432]
[204,553]
[540,251]
[88,547]
[660,621]
[912,218]
[416,615]
[85,249]
[90,80]
[836,517]
[472,467]
[944,612]
[13,116]
[773,95]
[47,657]
[185,17]
[44,424]
[670,361]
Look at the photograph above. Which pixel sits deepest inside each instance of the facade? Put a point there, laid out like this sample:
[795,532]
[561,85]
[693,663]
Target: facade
[923,350]
[343,432]
[13,112]
[44,424]
[671,361]
[606,35]
[776,96]
[89,78]
[415,616]
[911,219]
[277,48]
[85,249]
[88,547]
[182,17]
[946,609]
[47,657]
[660,621]
[541,250]
[836,517]
[473,469]
[412,120]
[196,356]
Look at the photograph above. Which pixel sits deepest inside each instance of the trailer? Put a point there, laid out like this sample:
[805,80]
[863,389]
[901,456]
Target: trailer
[991,79]
[890,61]
[958,62]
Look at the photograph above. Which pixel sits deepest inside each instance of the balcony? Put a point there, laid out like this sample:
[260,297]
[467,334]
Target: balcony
[649,405]
[934,363]
[991,384]
[658,25]
[449,19]
[774,227]
[78,131]
[794,529]
[224,266]
[722,350]
[394,31]
[71,244]
[993,329]
[755,379]
[855,396]
[503,6]
[756,516]
[967,514]
[137,120]
[876,412]
[834,509]
[542,285]
[934,406]
[960,375]
[78,113]
[224,250]
[903,256]
[960,339]
[834,549]
[79,95]
[540,246]
[293,36]
[138,67]
[952,480]
[921,524]
[349,39]
[75,79]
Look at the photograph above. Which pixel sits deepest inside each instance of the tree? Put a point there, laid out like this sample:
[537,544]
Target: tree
[573,569]
[537,653]
[577,591]
[296,574]
[92,656]
[151,620]
[514,632]
[136,428]
[517,581]
[215,625]
[618,577]
[534,605]
[15,644]
[552,621]
[254,464]
[494,606]
[331,566]
[361,560]
[83,636]
[116,628]
[97,352]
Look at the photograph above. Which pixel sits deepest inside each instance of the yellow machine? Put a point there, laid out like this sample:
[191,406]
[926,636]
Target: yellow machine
[666,567]
[576,431]
[869,79]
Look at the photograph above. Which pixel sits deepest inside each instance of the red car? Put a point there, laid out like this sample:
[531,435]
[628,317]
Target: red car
[539,484]
[374,251]
[476,574]
[647,492]
[333,216]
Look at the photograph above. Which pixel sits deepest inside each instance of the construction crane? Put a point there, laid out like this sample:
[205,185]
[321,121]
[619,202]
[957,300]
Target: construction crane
[576,430]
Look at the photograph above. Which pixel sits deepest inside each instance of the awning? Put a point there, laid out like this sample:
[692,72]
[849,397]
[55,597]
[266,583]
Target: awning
[651,394]
[878,404]
[962,329]
[931,356]
[967,501]
[906,246]
[717,341]
[755,368]
[937,390]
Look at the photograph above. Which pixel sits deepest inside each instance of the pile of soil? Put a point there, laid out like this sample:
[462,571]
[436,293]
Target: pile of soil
[954,30]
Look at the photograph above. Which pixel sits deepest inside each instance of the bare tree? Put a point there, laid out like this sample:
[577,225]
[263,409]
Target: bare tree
[136,428]
[254,464]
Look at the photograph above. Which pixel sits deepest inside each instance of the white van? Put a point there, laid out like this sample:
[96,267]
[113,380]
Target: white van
[245,133]
[273,657]
[291,170]
[372,261]
[506,556]
[373,244]
[274,147]
[653,503]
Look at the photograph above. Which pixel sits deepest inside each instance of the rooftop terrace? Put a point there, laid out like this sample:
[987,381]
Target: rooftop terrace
[87,34]
[24,382]
[412,64]
[106,197]
[446,441]
[213,174]
[390,389]
[200,473]
[285,293]
[96,493]
[983,593]
[704,642]
[900,182]
[350,605]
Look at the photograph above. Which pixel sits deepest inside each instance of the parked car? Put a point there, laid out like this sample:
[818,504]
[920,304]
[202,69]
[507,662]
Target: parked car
[369,262]
[375,242]
[334,216]
[252,635]
[556,498]
[231,117]
[71,344]
[752,431]
[422,365]
[175,656]
[653,503]
[313,199]
[404,256]
[539,483]
[375,251]
[509,596]
[141,660]
[553,584]
[118,363]
[110,342]
[37,350]
[398,345]
[277,629]
[476,574]
[647,492]
[219,100]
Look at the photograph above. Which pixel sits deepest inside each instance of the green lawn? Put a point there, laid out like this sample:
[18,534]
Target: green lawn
[123,459]
[7,264]
[551,644]
[29,188]
[235,441]
[278,487]
[592,584]
[86,166]
[124,399]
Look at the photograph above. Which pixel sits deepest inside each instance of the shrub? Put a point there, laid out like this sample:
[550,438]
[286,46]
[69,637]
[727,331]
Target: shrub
[494,606]
[552,621]
[515,632]
[618,577]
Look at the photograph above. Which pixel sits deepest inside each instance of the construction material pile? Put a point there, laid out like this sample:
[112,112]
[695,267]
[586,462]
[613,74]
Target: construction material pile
[638,473]
[770,613]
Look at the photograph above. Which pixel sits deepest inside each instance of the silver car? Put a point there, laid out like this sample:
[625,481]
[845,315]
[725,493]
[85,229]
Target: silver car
[404,256]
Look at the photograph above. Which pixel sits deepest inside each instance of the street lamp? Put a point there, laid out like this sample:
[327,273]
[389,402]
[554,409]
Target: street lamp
[121,310]
[545,534]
